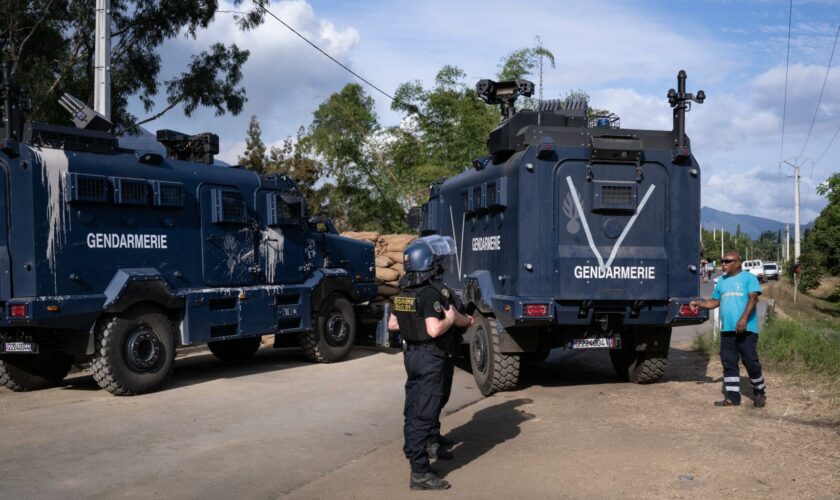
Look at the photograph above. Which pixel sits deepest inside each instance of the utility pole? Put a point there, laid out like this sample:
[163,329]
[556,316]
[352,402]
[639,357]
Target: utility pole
[721,243]
[797,162]
[787,242]
[102,56]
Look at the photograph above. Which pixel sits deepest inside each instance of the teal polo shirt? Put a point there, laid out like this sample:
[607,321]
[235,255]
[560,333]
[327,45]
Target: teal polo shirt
[733,292]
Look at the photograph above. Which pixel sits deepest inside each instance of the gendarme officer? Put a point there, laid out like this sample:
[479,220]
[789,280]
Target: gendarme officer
[425,325]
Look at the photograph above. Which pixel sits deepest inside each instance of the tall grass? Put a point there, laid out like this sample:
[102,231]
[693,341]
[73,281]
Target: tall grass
[800,346]
[791,346]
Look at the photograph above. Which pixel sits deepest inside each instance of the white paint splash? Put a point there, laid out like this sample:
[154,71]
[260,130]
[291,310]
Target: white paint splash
[272,249]
[54,166]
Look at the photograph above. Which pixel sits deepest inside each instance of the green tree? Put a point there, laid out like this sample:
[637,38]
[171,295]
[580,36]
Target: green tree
[448,124]
[254,157]
[50,44]
[821,245]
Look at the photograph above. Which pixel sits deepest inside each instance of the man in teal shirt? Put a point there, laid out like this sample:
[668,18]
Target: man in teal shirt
[737,293]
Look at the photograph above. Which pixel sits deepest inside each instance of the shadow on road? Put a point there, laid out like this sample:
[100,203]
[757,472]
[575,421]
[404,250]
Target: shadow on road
[593,366]
[201,368]
[472,438]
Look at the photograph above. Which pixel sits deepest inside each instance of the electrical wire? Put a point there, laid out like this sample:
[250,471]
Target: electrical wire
[819,101]
[784,106]
[410,107]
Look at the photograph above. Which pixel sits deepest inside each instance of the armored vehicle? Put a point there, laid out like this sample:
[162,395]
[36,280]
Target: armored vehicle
[119,256]
[572,232]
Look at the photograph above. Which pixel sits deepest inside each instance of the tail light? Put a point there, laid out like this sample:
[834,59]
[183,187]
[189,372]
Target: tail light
[687,311]
[17,310]
[536,310]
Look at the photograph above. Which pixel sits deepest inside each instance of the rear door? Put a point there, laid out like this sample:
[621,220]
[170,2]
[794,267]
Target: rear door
[611,227]
[5,261]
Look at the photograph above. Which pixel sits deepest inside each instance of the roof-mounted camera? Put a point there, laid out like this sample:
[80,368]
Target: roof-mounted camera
[198,148]
[504,93]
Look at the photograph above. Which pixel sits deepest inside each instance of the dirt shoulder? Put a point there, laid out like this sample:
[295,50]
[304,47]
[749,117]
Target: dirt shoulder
[575,432]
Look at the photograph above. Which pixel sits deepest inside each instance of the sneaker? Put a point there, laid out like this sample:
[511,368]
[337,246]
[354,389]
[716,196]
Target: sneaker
[760,400]
[727,402]
[438,452]
[427,481]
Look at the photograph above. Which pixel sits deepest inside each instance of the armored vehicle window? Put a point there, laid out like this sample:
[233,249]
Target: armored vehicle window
[615,196]
[465,201]
[477,199]
[88,188]
[284,209]
[228,207]
[130,191]
[168,194]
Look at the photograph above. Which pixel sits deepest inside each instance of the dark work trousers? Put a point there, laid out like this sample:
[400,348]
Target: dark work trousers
[425,368]
[448,374]
[734,346]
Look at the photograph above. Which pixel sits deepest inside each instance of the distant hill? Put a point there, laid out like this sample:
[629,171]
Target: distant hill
[750,224]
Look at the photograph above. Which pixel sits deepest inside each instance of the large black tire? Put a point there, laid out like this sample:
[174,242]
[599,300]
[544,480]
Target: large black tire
[493,370]
[333,333]
[29,372]
[134,351]
[235,350]
[648,367]
[639,367]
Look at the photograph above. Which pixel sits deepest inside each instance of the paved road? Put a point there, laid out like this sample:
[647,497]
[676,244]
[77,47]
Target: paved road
[258,430]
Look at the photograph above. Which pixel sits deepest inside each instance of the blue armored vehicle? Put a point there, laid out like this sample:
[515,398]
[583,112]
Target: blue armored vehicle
[572,232]
[117,257]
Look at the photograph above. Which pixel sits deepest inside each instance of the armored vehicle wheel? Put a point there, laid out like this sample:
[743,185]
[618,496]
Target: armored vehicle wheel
[31,372]
[235,350]
[639,367]
[334,331]
[493,371]
[134,351]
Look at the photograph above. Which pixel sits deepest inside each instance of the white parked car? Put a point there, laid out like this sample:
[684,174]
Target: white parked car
[771,271]
[756,267]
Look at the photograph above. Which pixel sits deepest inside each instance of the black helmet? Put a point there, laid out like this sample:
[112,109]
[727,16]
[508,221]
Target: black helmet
[424,258]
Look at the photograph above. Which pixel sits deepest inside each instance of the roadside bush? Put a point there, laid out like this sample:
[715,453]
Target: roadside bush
[706,344]
[801,347]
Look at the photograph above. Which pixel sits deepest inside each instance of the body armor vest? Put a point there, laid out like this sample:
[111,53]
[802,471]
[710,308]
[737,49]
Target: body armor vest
[408,307]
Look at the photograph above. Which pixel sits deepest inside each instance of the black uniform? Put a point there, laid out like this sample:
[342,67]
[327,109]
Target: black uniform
[425,367]
[451,342]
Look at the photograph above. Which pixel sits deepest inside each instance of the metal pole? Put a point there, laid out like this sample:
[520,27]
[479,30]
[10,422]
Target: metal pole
[796,214]
[102,56]
[721,243]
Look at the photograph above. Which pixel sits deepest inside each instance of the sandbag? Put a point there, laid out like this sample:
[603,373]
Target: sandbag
[386,274]
[384,261]
[398,267]
[395,256]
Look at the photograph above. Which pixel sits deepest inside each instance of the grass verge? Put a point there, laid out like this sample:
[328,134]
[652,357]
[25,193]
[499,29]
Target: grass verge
[791,346]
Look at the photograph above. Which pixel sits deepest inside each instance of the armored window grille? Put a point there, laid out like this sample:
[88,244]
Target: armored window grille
[477,198]
[465,201]
[86,188]
[284,210]
[228,207]
[130,191]
[168,194]
[615,196]
[491,194]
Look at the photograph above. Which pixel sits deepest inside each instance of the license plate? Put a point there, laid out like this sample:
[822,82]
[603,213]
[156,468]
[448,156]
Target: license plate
[20,347]
[287,311]
[602,343]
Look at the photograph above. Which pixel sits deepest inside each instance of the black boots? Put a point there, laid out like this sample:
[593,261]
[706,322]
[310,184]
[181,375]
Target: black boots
[438,452]
[427,481]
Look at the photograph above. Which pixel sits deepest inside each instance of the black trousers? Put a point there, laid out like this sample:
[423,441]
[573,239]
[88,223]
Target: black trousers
[425,370]
[448,375]
[736,347]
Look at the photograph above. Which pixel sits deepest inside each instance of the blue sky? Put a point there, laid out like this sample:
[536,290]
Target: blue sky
[624,54]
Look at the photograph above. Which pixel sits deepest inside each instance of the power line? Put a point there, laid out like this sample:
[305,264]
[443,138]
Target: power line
[829,145]
[333,59]
[819,101]
[784,106]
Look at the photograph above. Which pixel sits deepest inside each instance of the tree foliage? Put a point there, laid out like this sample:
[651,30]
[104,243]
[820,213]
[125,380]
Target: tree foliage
[50,44]
[821,245]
